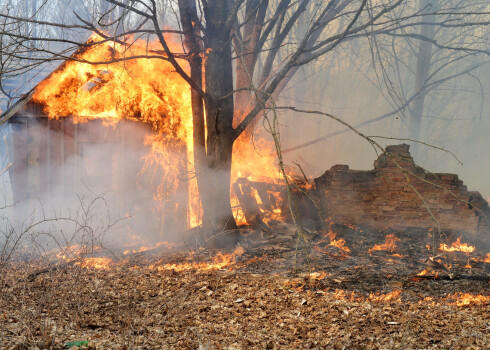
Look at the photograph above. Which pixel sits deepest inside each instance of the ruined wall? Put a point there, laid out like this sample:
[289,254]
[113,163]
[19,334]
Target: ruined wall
[384,199]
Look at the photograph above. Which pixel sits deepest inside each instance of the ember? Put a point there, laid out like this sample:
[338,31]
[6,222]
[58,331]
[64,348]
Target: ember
[392,296]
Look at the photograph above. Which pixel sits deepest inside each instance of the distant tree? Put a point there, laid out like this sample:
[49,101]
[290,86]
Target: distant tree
[447,42]
[423,71]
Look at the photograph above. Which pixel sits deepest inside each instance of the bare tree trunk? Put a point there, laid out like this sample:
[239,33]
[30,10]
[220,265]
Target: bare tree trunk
[246,48]
[423,67]
[188,15]
[219,119]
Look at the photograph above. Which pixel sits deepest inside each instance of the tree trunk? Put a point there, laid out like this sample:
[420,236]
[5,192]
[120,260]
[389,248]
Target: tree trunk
[246,60]
[219,120]
[215,197]
[422,72]
[188,14]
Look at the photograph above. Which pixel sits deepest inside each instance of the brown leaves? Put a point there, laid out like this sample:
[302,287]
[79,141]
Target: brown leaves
[144,308]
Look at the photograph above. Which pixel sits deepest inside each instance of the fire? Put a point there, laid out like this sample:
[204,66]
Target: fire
[144,89]
[389,245]
[77,254]
[339,243]
[457,247]
[333,241]
[394,295]
[427,272]
[487,258]
[463,299]
[150,91]
[145,248]
[458,299]
[254,160]
[317,276]
[220,261]
[103,263]
[341,294]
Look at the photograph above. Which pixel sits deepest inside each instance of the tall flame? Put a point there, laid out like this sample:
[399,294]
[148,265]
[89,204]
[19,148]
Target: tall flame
[148,90]
[144,89]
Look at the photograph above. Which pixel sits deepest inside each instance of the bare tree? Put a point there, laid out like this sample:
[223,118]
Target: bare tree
[417,62]
[423,71]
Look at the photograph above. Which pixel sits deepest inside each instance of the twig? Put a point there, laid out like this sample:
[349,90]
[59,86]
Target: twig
[421,142]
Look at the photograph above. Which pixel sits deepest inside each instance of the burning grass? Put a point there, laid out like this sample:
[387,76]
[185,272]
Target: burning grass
[157,297]
[103,263]
[219,261]
[170,309]
[389,245]
[457,247]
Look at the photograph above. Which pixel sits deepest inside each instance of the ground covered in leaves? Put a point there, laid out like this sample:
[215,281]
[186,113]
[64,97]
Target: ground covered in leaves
[139,308]
[272,294]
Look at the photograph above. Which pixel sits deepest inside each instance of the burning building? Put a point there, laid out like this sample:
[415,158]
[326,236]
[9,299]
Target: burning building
[397,195]
[121,130]
[124,130]
[116,130]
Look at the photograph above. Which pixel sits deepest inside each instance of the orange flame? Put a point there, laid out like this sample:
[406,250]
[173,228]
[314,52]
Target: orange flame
[255,161]
[144,89]
[150,91]
[333,241]
[103,263]
[389,245]
[394,295]
[146,248]
[339,243]
[457,247]
[344,295]
[464,299]
[220,261]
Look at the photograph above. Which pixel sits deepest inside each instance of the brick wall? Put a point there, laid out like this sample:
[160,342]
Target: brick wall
[383,198]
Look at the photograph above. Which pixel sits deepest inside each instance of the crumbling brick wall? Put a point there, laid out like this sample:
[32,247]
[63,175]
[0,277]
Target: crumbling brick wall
[383,198]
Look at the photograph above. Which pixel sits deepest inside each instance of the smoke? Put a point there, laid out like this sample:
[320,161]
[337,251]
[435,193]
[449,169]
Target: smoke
[455,118]
[92,183]
[5,165]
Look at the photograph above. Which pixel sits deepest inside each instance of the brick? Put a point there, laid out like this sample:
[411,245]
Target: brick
[382,198]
